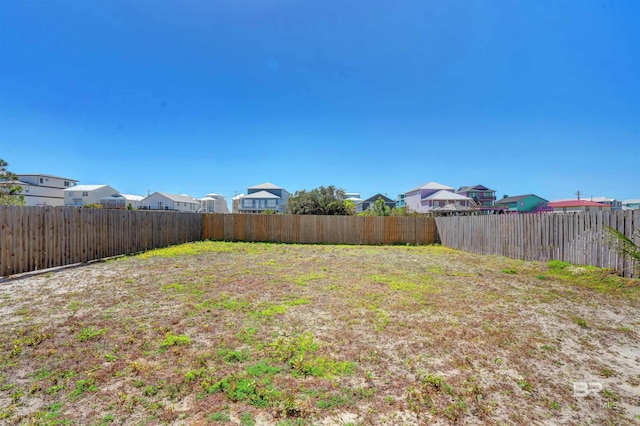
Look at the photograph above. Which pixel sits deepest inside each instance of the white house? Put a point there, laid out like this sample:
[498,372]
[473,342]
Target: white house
[44,190]
[214,203]
[81,195]
[122,201]
[630,204]
[615,204]
[236,202]
[165,201]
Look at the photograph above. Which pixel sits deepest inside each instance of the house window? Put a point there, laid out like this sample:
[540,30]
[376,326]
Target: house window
[159,205]
[41,180]
[271,203]
[85,194]
[66,183]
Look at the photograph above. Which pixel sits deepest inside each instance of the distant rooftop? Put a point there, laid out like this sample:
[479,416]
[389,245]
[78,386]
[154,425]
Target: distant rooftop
[44,175]
[433,185]
[446,195]
[85,187]
[177,198]
[261,194]
[266,185]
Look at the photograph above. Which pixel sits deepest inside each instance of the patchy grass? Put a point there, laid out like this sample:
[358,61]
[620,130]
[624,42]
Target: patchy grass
[241,333]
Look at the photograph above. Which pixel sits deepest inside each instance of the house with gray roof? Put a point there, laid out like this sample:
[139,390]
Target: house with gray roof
[81,195]
[369,202]
[172,202]
[40,189]
[266,196]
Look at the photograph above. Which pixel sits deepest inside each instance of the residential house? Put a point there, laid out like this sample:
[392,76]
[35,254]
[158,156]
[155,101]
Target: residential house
[214,203]
[40,189]
[528,203]
[173,202]
[577,206]
[236,202]
[615,204]
[482,195]
[369,202]
[81,195]
[414,198]
[630,204]
[432,194]
[122,201]
[266,196]
[400,201]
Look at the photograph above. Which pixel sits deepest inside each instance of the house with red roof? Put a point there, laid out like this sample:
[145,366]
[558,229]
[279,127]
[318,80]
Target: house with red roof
[577,206]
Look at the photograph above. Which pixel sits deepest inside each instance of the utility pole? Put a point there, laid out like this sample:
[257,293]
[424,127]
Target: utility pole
[578,194]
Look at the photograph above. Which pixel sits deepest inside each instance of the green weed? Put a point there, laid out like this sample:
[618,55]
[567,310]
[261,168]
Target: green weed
[90,333]
[171,339]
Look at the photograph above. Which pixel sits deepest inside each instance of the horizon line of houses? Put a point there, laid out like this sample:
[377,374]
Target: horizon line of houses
[432,197]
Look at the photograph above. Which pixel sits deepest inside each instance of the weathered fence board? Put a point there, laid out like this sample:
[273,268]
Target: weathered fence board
[579,238]
[320,229]
[34,238]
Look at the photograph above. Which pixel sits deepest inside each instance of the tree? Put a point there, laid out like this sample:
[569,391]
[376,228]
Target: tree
[9,188]
[319,201]
[379,208]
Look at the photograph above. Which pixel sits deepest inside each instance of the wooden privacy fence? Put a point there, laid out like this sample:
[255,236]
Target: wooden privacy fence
[34,238]
[579,238]
[320,229]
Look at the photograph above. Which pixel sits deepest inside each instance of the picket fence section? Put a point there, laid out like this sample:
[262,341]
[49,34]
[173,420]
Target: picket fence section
[320,229]
[578,238]
[34,238]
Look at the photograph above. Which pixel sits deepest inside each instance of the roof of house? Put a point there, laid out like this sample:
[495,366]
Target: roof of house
[517,198]
[473,188]
[374,198]
[86,188]
[631,201]
[576,203]
[127,197]
[44,175]
[446,195]
[432,185]
[261,195]
[214,195]
[602,199]
[175,197]
[239,196]
[132,197]
[266,185]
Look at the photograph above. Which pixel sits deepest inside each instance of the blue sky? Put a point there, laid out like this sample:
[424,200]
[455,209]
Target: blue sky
[199,96]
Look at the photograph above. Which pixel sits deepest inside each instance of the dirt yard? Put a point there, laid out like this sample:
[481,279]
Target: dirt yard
[241,333]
